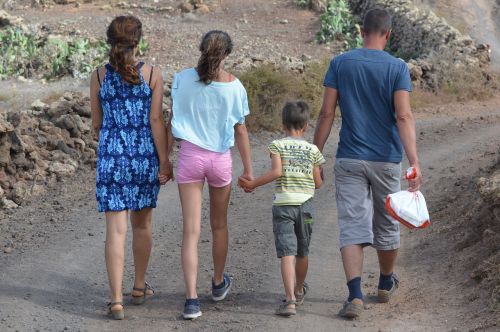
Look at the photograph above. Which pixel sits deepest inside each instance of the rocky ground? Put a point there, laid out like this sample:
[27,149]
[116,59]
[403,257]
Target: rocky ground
[53,275]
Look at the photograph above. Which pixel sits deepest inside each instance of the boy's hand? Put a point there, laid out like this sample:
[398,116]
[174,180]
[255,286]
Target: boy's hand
[246,184]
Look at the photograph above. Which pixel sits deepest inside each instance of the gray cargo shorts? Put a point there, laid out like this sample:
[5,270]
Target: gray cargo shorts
[361,190]
[292,228]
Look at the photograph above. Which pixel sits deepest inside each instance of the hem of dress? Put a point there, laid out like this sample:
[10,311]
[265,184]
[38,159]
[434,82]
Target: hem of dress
[153,206]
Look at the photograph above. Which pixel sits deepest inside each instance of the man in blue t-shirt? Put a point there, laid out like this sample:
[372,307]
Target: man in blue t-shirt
[372,89]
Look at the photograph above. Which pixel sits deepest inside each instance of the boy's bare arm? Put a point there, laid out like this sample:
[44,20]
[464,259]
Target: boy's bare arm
[318,181]
[270,176]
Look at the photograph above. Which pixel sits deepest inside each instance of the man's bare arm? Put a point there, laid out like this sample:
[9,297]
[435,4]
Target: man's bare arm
[406,128]
[326,117]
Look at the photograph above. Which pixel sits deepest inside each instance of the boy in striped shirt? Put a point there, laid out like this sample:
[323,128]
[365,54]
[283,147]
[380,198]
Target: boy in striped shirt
[296,169]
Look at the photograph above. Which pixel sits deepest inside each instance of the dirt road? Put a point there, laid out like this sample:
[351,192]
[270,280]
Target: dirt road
[55,278]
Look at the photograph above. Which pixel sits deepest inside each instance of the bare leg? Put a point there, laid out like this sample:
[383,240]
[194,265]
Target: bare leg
[387,260]
[288,275]
[191,196]
[352,258]
[116,232]
[219,201]
[301,266]
[141,246]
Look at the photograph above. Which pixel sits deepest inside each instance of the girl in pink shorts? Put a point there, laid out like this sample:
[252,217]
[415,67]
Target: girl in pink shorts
[209,109]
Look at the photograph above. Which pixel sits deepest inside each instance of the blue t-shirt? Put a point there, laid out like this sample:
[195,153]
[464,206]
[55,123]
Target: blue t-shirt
[366,80]
[205,115]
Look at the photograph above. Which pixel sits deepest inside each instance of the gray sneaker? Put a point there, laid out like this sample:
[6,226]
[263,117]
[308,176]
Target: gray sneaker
[219,294]
[351,310]
[385,295]
[301,295]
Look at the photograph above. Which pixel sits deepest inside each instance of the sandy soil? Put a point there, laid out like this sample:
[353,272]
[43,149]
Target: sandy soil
[55,278]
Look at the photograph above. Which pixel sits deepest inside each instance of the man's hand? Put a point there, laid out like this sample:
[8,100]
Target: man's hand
[246,183]
[415,183]
[166,172]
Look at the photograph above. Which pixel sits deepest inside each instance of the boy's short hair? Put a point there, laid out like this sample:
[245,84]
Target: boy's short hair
[295,114]
[377,20]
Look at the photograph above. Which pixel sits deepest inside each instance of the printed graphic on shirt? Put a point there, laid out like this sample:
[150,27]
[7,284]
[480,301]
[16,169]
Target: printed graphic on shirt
[298,157]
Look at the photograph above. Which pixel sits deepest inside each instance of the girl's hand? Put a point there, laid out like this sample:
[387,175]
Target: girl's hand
[247,185]
[247,178]
[166,172]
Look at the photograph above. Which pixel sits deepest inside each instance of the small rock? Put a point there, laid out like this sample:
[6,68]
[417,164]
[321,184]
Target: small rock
[7,250]
[90,234]
[284,21]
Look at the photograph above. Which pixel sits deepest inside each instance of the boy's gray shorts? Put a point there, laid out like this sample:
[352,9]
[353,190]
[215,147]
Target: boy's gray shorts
[292,228]
[361,190]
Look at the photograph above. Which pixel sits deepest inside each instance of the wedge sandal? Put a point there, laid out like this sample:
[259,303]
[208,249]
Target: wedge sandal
[116,314]
[284,311]
[138,300]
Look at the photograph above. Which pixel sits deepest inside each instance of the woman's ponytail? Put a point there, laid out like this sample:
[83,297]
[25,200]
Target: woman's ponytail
[124,34]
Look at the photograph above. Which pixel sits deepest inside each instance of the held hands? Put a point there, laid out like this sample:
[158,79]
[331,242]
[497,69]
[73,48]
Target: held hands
[166,172]
[246,182]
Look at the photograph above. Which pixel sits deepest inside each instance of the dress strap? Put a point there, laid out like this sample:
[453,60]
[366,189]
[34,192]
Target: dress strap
[150,75]
[98,78]
[139,65]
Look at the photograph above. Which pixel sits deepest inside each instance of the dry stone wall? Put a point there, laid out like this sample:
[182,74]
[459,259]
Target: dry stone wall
[43,145]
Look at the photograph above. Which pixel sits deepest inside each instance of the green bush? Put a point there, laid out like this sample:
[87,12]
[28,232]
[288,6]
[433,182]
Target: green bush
[268,89]
[338,23]
[302,3]
[28,55]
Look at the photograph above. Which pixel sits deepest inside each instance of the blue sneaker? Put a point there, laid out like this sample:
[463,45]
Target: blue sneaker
[192,309]
[219,292]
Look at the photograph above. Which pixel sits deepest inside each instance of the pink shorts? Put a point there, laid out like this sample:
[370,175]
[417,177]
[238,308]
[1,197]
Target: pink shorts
[195,164]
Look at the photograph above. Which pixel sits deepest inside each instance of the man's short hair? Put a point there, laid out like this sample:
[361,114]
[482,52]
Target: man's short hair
[377,20]
[295,115]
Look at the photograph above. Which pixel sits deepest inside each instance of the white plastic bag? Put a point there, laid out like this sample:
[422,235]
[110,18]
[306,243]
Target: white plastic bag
[409,208]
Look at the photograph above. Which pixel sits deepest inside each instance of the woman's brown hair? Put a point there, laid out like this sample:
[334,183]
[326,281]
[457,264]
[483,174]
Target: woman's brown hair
[215,46]
[124,34]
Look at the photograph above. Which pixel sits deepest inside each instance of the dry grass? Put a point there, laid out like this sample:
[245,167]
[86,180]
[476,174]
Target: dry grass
[52,97]
[269,88]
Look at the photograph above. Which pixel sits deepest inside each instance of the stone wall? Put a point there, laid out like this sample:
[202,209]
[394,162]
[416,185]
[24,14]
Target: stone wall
[425,40]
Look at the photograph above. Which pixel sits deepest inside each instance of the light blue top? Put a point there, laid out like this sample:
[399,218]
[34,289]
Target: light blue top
[205,115]
[366,80]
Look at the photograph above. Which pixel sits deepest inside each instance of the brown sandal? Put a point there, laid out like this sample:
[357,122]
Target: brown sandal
[116,314]
[137,300]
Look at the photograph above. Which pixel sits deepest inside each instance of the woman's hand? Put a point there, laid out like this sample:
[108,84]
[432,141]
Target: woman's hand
[166,172]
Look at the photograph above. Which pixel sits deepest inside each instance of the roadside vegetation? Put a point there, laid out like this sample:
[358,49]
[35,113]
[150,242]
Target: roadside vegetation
[269,87]
[33,55]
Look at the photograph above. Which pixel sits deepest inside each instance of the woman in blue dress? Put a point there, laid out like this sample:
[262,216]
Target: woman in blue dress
[132,157]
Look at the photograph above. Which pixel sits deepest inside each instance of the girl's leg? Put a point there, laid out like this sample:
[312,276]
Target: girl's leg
[141,246]
[219,201]
[116,231]
[191,196]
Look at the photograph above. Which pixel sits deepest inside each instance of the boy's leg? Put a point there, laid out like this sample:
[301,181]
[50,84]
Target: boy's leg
[286,246]
[219,201]
[301,266]
[288,275]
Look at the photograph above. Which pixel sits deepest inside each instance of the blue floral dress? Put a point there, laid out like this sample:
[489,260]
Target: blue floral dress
[127,162]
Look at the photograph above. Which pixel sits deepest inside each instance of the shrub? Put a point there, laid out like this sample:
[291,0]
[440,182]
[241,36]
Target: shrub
[338,23]
[302,3]
[269,87]
[28,55]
